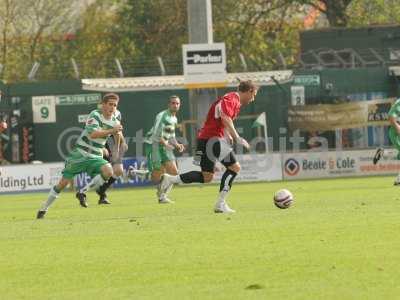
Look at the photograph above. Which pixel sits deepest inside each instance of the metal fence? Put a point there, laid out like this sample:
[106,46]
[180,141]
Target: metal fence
[349,58]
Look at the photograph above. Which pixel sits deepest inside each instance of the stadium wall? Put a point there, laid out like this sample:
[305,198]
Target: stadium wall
[53,140]
[140,108]
[339,84]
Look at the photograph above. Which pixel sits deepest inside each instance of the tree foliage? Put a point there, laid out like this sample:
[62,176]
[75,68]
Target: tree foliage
[265,32]
[335,11]
[365,13]
[29,31]
[96,44]
[153,28]
[10,12]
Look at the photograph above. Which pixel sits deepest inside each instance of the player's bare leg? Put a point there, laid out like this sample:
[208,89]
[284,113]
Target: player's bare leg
[117,153]
[118,170]
[95,183]
[53,195]
[155,177]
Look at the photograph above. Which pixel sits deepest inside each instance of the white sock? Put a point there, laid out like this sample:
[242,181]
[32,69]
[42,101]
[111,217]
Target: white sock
[95,183]
[53,195]
[176,179]
[398,178]
[222,197]
[168,190]
[141,172]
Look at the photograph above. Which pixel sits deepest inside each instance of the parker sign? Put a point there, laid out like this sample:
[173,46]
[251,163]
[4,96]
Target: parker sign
[204,65]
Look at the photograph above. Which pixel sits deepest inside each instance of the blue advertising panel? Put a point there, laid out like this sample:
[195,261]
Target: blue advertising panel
[124,181]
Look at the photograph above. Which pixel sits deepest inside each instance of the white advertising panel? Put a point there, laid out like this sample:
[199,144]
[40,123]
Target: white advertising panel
[204,65]
[27,178]
[336,164]
[255,167]
[387,165]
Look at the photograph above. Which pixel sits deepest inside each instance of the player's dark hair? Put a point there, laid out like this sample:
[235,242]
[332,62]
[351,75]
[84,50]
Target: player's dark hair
[109,96]
[245,86]
[172,98]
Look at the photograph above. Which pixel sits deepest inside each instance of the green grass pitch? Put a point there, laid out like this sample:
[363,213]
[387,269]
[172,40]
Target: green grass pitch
[340,240]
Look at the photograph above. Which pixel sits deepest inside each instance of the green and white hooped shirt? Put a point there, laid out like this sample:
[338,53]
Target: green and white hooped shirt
[164,127]
[395,110]
[94,147]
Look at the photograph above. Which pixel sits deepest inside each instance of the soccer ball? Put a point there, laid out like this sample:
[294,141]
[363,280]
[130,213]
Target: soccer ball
[283,198]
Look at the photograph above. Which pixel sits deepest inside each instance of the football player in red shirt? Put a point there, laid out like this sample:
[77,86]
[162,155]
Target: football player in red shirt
[214,144]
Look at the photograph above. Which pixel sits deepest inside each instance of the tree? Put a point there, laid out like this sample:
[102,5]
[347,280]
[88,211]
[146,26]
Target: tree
[350,13]
[97,42]
[154,28]
[365,13]
[30,30]
[44,18]
[334,10]
[265,32]
[9,11]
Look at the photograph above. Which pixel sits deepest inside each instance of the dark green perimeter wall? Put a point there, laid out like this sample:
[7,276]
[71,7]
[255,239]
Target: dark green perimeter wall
[139,108]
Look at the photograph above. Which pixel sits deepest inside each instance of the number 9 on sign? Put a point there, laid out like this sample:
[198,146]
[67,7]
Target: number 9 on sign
[44,112]
[44,109]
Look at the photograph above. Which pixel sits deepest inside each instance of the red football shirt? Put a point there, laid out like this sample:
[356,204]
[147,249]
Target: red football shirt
[229,104]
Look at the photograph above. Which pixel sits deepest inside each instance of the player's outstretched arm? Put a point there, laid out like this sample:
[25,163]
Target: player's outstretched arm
[173,141]
[102,133]
[230,127]
[166,144]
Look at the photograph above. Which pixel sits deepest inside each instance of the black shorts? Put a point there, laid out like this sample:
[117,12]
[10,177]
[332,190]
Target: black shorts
[209,151]
[108,157]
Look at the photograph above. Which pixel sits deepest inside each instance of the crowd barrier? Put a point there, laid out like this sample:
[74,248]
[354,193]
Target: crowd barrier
[29,177]
[336,164]
[255,167]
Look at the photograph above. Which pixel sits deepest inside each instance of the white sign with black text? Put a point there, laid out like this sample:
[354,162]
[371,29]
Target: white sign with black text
[204,65]
[44,109]
[28,178]
[337,164]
